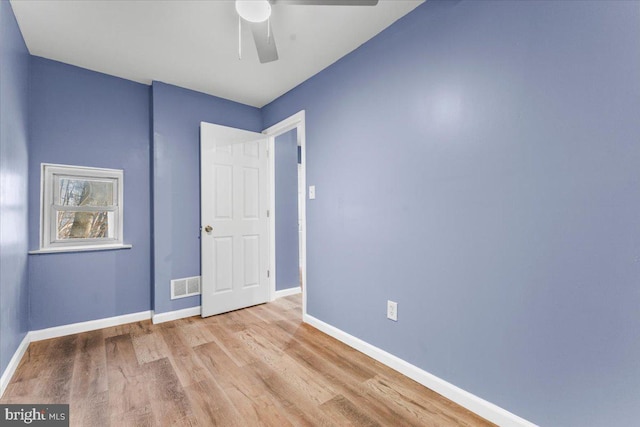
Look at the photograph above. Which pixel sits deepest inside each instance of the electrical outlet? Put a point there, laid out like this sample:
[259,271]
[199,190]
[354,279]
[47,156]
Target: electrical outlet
[312,192]
[392,310]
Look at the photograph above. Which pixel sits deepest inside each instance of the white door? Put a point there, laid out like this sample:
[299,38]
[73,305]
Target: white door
[234,203]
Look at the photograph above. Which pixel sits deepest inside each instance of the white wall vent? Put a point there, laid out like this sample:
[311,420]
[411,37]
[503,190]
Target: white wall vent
[186,287]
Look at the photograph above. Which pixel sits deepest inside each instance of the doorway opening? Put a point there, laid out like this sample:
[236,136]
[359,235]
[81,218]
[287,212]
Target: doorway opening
[287,168]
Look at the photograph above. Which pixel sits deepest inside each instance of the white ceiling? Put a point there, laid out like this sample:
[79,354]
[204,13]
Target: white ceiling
[194,44]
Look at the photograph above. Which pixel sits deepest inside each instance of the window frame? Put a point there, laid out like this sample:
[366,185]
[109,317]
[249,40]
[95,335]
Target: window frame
[50,176]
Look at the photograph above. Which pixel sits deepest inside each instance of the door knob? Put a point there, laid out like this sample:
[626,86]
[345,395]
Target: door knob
[208,229]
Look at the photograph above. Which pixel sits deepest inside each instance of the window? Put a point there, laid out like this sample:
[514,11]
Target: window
[81,208]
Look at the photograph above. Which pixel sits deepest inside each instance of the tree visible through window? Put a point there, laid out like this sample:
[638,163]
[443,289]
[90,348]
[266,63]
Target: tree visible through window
[81,206]
[84,225]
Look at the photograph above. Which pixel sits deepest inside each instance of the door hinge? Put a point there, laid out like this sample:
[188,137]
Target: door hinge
[268,273]
[268,213]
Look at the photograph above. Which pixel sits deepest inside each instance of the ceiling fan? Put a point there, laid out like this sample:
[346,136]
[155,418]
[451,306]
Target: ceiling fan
[257,13]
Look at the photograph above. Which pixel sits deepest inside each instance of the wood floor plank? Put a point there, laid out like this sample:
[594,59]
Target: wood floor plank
[260,347]
[267,313]
[316,388]
[294,396]
[89,372]
[128,398]
[226,372]
[347,382]
[427,412]
[211,405]
[168,399]
[195,335]
[246,391]
[232,344]
[57,384]
[149,347]
[326,359]
[349,412]
[35,362]
[258,410]
[92,410]
[232,321]
[260,366]
[182,357]
[291,302]
[114,331]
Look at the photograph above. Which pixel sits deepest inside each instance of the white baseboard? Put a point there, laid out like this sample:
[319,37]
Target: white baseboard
[286,292]
[13,363]
[175,315]
[91,325]
[475,404]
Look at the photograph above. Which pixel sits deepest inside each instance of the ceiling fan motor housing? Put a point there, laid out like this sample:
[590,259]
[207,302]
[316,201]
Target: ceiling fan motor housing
[253,10]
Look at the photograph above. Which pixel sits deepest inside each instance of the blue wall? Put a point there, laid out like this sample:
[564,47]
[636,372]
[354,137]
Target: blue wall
[177,114]
[477,162]
[80,117]
[14,87]
[286,188]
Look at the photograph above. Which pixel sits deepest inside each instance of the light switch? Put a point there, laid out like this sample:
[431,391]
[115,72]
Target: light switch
[312,192]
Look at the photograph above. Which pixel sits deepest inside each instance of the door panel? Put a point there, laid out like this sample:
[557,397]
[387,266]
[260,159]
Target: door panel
[234,199]
[223,191]
[251,257]
[251,181]
[223,260]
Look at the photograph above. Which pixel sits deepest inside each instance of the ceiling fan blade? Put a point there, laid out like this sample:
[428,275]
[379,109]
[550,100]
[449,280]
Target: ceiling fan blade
[327,2]
[265,43]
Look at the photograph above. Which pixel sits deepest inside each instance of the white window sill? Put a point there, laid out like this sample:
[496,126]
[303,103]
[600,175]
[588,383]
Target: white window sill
[80,249]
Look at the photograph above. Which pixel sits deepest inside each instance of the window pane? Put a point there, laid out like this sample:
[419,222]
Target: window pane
[84,225]
[85,192]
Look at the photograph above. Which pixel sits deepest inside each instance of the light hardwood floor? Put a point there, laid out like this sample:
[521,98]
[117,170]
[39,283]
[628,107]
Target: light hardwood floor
[252,367]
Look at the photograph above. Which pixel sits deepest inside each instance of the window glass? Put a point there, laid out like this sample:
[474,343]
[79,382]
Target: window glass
[81,207]
[83,225]
[84,192]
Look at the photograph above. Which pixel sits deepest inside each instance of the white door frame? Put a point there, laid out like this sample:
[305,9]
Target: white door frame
[296,121]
